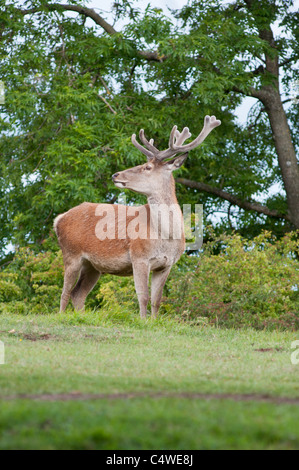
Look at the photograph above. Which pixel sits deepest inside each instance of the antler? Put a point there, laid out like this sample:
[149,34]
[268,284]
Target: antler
[151,151]
[176,140]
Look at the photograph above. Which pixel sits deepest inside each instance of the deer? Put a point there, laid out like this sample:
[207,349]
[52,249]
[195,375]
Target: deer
[97,239]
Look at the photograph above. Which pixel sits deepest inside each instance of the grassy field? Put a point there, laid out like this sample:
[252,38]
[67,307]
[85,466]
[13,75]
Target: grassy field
[89,381]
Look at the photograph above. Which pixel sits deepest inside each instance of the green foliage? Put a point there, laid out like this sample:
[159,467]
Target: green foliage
[75,95]
[234,282]
[8,288]
[35,282]
[238,282]
[117,293]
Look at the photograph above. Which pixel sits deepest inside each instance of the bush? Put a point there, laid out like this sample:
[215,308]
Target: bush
[246,283]
[35,282]
[233,283]
[9,290]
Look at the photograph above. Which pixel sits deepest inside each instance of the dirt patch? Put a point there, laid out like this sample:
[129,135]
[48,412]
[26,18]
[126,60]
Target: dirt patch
[263,350]
[78,396]
[36,337]
[29,336]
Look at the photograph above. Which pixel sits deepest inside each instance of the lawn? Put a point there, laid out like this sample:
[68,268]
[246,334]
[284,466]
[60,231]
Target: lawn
[89,381]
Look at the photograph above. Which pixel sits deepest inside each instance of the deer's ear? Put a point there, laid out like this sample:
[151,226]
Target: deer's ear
[176,162]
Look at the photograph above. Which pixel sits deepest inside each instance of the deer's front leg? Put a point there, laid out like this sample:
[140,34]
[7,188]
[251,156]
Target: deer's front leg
[141,277]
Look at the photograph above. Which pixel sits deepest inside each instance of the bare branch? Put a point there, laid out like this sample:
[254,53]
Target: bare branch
[247,205]
[105,85]
[99,20]
[288,61]
[259,70]
[107,104]
[251,126]
[89,12]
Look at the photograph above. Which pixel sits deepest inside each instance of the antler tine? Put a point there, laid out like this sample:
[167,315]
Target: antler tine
[169,152]
[182,136]
[148,144]
[145,151]
[173,132]
[176,138]
[210,123]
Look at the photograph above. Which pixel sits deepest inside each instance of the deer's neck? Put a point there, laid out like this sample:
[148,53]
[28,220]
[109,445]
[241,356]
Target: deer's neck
[165,214]
[165,196]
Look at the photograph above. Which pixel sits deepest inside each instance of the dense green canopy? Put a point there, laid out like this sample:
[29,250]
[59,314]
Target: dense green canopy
[76,90]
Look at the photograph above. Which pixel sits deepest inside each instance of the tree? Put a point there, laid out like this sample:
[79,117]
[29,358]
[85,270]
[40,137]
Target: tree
[76,90]
[262,60]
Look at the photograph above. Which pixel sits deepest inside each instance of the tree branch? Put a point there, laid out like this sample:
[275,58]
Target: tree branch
[247,205]
[258,71]
[89,12]
[99,20]
[288,61]
[260,94]
[107,104]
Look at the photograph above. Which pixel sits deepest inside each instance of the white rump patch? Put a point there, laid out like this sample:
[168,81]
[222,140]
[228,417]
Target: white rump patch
[57,220]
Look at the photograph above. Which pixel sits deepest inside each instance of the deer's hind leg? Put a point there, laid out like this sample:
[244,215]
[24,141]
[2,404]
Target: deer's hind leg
[88,278]
[158,281]
[71,273]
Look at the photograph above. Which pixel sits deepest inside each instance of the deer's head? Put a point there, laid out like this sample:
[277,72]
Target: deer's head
[155,175]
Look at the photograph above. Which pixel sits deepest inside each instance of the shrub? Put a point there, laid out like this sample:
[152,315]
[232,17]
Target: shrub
[35,281]
[246,283]
[234,282]
[117,292]
[9,290]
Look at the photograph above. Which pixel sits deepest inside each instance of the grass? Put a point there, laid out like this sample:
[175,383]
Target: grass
[148,424]
[116,354]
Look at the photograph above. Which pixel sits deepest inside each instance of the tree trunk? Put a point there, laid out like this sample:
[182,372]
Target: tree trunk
[286,152]
[271,98]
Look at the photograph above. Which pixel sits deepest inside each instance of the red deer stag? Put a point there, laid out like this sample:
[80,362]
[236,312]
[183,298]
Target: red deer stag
[103,238]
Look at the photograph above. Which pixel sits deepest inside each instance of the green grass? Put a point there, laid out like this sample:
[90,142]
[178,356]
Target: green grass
[94,353]
[148,424]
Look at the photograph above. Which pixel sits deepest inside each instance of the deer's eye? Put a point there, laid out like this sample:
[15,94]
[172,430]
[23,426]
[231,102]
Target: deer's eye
[148,167]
